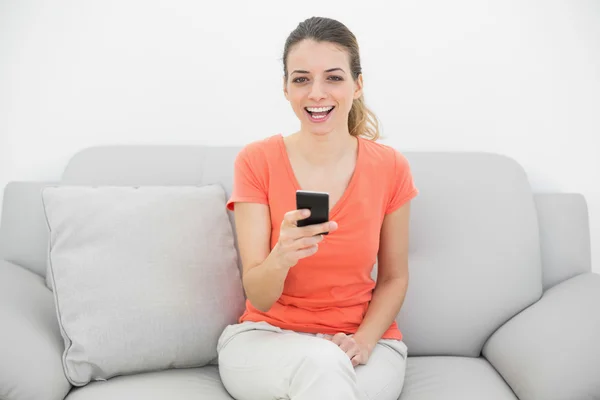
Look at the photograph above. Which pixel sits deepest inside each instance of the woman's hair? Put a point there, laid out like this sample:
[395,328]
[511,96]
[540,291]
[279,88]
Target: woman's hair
[361,120]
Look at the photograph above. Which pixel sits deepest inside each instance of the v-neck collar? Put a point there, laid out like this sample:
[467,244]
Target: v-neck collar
[288,166]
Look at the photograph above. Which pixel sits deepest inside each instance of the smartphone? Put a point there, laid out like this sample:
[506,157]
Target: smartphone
[317,203]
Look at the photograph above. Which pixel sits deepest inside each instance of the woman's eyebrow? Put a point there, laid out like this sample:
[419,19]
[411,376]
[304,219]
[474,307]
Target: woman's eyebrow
[301,71]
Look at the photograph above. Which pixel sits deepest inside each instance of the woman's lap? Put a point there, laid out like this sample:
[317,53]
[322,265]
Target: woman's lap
[258,361]
[382,377]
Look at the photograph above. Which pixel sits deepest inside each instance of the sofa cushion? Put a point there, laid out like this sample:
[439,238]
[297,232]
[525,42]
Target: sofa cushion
[474,252]
[145,278]
[31,345]
[183,384]
[23,229]
[463,378]
[564,235]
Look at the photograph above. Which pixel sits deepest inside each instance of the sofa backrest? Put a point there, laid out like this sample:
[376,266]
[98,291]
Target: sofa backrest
[564,235]
[23,228]
[474,252]
[154,165]
[474,245]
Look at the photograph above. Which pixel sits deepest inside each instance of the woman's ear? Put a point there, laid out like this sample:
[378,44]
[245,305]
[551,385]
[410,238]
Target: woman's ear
[358,85]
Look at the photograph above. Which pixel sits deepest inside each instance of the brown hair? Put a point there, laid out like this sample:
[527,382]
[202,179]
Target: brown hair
[361,120]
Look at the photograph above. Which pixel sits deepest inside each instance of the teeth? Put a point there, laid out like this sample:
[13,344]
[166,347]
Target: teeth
[319,109]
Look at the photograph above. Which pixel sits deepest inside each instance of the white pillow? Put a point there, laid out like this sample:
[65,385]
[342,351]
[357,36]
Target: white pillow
[144,278]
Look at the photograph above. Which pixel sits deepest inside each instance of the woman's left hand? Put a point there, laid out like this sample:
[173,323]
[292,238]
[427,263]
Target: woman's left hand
[357,350]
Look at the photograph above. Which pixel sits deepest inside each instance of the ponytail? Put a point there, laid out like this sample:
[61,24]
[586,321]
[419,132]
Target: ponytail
[362,121]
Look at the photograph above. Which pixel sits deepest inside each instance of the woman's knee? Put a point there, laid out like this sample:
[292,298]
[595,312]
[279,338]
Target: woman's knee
[326,357]
[323,371]
[383,376]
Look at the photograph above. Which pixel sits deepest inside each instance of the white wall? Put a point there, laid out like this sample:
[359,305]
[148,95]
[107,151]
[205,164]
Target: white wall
[521,78]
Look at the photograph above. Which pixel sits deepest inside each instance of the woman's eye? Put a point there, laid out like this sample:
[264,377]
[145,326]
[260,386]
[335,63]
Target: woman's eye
[334,78]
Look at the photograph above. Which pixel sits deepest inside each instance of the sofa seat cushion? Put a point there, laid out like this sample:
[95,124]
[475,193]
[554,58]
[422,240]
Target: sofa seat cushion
[181,384]
[463,378]
[426,378]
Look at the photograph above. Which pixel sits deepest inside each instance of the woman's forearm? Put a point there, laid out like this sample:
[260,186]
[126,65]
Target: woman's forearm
[385,305]
[264,284]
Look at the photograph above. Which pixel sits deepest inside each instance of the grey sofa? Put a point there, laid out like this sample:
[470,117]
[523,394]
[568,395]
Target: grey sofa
[502,303]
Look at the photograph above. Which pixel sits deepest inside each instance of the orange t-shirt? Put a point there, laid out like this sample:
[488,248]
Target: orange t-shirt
[328,292]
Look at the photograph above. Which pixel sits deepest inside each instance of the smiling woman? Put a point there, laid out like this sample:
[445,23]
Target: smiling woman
[316,325]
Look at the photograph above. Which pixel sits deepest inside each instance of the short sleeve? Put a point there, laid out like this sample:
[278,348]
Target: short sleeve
[250,176]
[402,188]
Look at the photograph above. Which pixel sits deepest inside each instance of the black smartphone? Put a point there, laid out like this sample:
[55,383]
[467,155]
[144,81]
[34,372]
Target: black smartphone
[317,203]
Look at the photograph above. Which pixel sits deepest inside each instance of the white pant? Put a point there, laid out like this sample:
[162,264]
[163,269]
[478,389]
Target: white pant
[258,361]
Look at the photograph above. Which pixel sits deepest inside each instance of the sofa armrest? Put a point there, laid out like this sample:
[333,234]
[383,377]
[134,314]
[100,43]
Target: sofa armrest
[551,350]
[31,345]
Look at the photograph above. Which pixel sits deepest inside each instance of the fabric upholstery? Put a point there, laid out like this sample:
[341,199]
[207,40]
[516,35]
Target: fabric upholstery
[565,236]
[23,229]
[551,350]
[460,378]
[145,278]
[474,255]
[154,166]
[182,384]
[30,342]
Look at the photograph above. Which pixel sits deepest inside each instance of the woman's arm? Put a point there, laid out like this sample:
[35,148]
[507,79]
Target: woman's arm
[263,281]
[264,270]
[392,278]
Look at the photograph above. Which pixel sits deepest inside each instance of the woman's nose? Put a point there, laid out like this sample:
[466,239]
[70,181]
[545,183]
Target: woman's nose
[316,92]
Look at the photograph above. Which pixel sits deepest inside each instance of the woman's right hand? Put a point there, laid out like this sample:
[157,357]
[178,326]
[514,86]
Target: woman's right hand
[296,242]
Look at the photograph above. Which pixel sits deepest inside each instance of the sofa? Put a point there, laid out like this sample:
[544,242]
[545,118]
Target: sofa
[502,302]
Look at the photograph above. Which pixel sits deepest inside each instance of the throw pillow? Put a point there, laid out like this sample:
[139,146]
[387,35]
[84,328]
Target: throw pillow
[144,278]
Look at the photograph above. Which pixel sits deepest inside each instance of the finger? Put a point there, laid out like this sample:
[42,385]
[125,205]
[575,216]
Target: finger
[316,229]
[355,360]
[304,242]
[307,252]
[288,229]
[292,217]
[352,352]
[347,345]
[338,338]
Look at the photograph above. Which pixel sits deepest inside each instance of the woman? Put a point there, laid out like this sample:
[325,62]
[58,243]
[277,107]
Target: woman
[316,326]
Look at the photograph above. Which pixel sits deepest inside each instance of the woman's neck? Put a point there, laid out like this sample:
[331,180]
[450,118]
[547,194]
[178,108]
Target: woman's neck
[323,150]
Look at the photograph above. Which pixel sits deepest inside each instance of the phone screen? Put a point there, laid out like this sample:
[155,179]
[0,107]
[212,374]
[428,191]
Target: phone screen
[317,203]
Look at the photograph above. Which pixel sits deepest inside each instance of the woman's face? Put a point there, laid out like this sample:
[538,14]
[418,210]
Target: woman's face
[320,87]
